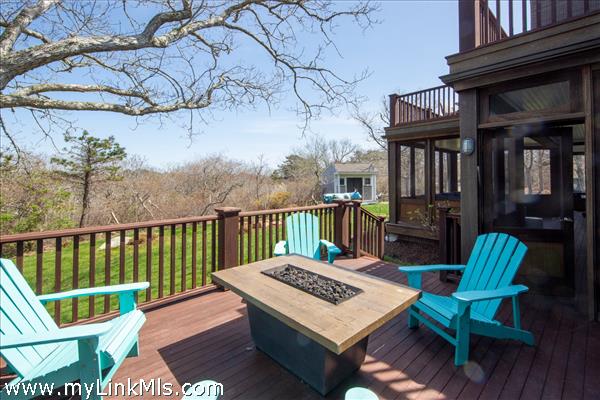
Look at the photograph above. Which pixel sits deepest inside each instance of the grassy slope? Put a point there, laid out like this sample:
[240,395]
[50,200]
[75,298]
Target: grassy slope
[66,281]
[381,209]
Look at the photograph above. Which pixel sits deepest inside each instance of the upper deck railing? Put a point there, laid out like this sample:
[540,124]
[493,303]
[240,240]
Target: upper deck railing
[488,21]
[429,104]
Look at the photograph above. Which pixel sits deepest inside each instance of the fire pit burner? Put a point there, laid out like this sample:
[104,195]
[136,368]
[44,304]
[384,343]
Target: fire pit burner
[320,286]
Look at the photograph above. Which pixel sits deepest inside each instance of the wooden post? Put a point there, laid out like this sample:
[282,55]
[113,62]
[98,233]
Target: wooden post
[467,29]
[357,228]
[381,237]
[227,237]
[341,234]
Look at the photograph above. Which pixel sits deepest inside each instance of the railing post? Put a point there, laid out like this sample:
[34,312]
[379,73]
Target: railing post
[356,228]
[467,29]
[393,119]
[227,237]
[341,234]
[381,237]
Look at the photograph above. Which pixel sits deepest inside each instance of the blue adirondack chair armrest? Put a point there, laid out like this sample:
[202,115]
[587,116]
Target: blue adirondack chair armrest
[471,296]
[332,250]
[125,292]
[60,335]
[414,273]
[280,248]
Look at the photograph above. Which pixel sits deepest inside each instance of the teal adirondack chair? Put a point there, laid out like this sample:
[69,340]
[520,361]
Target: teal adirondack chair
[303,238]
[38,351]
[487,279]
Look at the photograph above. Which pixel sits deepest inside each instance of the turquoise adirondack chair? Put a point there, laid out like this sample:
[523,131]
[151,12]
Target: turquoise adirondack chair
[303,238]
[487,279]
[39,352]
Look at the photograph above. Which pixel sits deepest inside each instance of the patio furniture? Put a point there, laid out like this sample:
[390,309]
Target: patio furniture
[487,279]
[38,351]
[320,342]
[303,238]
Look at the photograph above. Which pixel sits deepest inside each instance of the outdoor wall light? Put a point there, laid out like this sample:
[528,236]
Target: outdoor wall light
[468,146]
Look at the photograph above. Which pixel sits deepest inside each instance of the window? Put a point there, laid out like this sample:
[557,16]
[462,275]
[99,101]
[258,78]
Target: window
[536,171]
[367,181]
[342,181]
[412,170]
[446,169]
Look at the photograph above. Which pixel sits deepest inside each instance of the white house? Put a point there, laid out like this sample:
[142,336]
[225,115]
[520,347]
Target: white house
[348,177]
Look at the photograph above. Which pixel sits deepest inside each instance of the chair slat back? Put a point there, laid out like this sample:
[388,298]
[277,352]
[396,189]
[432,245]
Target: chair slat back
[21,313]
[303,234]
[493,264]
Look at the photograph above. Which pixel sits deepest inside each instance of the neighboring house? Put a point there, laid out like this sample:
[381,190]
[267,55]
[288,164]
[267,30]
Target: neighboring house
[350,177]
[522,155]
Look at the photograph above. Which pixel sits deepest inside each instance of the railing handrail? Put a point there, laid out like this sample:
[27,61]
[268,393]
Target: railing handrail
[101,229]
[287,210]
[370,214]
[418,91]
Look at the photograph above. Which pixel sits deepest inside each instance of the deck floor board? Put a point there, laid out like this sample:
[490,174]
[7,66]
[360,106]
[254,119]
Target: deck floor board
[208,337]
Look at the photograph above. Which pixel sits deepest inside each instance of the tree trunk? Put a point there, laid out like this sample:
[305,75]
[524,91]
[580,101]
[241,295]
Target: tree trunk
[85,199]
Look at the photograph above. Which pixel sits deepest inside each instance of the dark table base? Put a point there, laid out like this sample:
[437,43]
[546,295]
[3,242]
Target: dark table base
[314,364]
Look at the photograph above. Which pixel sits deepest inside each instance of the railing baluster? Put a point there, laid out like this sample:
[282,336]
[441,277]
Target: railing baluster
[194,254]
[264,237]
[172,264]
[136,258]
[92,277]
[510,18]
[498,20]
[256,238]
[161,261]
[75,301]
[249,249]
[270,235]
[122,256]
[107,250]
[57,277]
[277,228]
[149,262]
[204,253]
[524,14]
[183,257]
[39,266]
[213,255]
[241,242]
[20,251]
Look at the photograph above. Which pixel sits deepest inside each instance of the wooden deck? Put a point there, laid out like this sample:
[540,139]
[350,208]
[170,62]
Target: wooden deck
[207,337]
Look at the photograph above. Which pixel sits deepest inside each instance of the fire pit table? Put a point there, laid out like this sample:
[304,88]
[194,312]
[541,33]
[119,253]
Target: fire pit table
[314,318]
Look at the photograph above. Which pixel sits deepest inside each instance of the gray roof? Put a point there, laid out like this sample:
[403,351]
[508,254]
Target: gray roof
[360,168]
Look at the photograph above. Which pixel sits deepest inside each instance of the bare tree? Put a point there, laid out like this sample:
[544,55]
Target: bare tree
[155,57]
[374,123]
[341,150]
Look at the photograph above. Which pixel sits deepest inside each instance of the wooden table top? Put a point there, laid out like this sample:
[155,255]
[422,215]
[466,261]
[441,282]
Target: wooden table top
[336,327]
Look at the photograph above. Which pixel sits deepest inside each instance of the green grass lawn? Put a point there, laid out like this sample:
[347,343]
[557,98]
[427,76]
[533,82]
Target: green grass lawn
[66,271]
[380,209]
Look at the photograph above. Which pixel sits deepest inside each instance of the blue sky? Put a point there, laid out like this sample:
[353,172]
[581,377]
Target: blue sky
[405,52]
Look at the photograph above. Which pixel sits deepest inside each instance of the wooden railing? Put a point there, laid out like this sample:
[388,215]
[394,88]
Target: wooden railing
[488,21]
[423,105]
[372,236]
[176,256]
